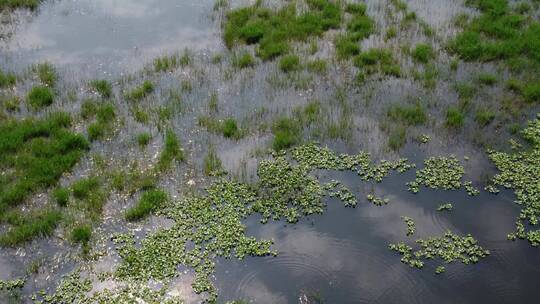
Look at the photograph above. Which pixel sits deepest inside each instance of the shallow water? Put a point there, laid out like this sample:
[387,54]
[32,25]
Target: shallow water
[338,257]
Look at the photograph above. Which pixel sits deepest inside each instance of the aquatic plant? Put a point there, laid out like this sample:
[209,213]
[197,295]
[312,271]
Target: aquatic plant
[243,60]
[140,92]
[149,202]
[143,138]
[423,53]
[103,87]
[414,114]
[318,66]
[286,133]
[445,207]
[31,226]
[212,163]
[337,189]
[377,201]
[171,151]
[13,4]
[61,196]
[449,247]
[484,117]
[289,63]
[377,60]
[438,173]
[35,153]
[11,284]
[47,74]
[411,226]
[273,30]
[7,79]
[519,171]
[454,117]
[39,97]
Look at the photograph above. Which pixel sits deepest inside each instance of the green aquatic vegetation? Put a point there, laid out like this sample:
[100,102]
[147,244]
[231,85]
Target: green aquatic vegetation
[243,60]
[213,223]
[140,92]
[289,63]
[212,163]
[34,154]
[61,196]
[454,117]
[172,151]
[273,30]
[74,288]
[487,79]
[31,226]
[143,139]
[13,4]
[318,66]
[484,117]
[337,189]
[411,226]
[440,269]
[423,53]
[165,63]
[449,248]
[519,170]
[47,74]
[12,284]
[377,60]
[424,138]
[40,97]
[89,108]
[498,34]
[377,201]
[81,234]
[105,114]
[230,128]
[149,202]
[445,207]
[103,87]
[287,191]
[7,79]
[531,92]
[397,137]
[471,190]
[438,173]
[409,114]
[286,133]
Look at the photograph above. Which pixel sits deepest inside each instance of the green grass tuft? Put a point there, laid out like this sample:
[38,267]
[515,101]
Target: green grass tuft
[454,117]
[103,87]
[423,53]
[408,114]
[289,63]
[149,202]
[171,151]
[40,97]
[286,133]
[31,226]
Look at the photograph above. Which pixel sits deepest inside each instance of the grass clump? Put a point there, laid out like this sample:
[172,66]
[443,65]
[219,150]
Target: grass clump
[244,60]
[40,97]
[531,92]
[105,114]
[273,30]
[7,79]
[408,114]
[484,117]
[289,63]
[61,196]
[230,128]
[423,53]
[143,139]
[103,87]
[286,133]
[487,79]
[149,202]
[454,117]
[212,163]
[140,92]
[83,188]
[47,74]
[30,226]
[171,151]
[34,154]
[319,66]
[397,137]
[81,234]
[13,4]
[377,60]
[165,63]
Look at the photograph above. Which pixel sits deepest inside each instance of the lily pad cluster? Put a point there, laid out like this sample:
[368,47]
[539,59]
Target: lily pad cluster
[75,289]
[449,247]
[317,157]
[377,201]
[438,173]
[411,226]
[445,207]
[520,171]
[11,284]
[337,189]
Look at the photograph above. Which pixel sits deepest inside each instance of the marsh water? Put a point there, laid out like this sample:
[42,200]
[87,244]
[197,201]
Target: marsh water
[340,256]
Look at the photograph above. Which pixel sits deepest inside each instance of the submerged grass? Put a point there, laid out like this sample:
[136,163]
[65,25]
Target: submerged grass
[171,151]
[148,203]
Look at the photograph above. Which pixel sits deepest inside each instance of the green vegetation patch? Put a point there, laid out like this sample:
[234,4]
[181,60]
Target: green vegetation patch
[27,227]
[439,173]
[273,30]
[7,79]
[408,114]
[172,150]
[411,226]
[34,154]
[148,203]
[449,248]
[13,4]
[423,53]
[377,61]
[140,92]
[39,97]
[520,171]
[103,87]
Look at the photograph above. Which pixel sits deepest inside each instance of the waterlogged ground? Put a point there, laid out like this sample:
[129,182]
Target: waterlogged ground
[339,256]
